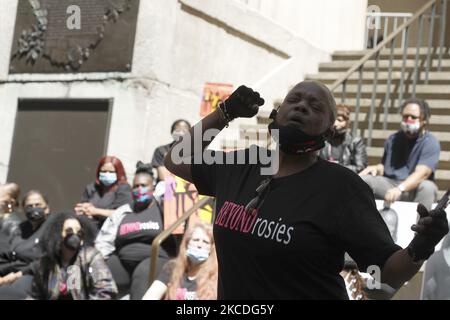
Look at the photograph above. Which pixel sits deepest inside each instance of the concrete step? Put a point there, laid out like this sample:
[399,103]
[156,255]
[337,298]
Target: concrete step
[438,107]
[263,117]
[385,53]
[440,92]
[368,77]
[345,65]
[442,175]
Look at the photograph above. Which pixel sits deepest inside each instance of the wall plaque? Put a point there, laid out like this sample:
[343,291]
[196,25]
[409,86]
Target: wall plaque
[66,36]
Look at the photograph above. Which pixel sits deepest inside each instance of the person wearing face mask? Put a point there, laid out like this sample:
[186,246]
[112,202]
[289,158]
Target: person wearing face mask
[23,247]
[72,269]
[109,191]
[282,234]
[343,147]
[192,275]
[410,159]
[126,237]
[178,129]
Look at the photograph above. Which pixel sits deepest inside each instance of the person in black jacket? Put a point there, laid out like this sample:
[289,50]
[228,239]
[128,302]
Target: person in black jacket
[343,147]
[23,248]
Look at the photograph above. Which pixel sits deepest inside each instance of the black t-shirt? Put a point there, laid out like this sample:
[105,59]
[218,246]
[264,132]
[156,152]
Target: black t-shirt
[159,154]
[188,287]
[293,247]
[136,233]
[109,200]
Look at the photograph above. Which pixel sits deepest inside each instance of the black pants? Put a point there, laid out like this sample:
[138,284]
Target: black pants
[18,290]
[132,276]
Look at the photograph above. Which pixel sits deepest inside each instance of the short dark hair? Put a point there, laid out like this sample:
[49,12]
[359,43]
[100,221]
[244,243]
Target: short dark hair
[177,123]
[423,105]
[31,192]
[144,168]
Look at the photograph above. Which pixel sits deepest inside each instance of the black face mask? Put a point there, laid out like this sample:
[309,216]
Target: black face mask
[35,214]
[294,141]
[72,242]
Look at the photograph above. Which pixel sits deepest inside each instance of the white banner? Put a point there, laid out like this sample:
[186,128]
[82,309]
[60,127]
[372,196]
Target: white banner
[407,216]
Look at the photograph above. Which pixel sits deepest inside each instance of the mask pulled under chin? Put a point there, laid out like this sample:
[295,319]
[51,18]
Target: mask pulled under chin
[411,127]
[197,255]
[294,141]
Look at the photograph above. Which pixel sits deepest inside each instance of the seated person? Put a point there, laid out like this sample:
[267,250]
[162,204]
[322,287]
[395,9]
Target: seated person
[178,129]
[72,268]
[343,147]
[9,219]
[193,274]
[109,191]
[410,159]
[125,239]
[354,282]
[24,248]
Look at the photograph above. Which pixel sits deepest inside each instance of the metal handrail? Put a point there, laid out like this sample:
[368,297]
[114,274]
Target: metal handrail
[376,53]
[156,244]
[381,45]
[378,16]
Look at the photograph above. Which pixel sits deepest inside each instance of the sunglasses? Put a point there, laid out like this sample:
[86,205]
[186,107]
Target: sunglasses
[261,193]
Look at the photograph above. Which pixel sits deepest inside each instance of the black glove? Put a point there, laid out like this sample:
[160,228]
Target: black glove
[430,229]
[244,103]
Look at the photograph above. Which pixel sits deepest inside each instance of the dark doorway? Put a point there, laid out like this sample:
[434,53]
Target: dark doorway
[57,145]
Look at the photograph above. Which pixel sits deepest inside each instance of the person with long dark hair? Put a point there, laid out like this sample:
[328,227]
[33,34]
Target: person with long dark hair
[109,191]
[125,239]
[72,269]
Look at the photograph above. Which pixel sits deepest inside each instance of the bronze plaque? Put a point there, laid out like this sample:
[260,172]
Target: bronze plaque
[66,36]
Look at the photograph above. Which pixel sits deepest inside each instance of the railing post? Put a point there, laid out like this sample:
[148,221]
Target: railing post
[416,64]
[366,32]
[344,85]
[430,42]
[372,103]
[442,35]
[402,76]
[358,100]
[404,36]
[387,98]
[386,26]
